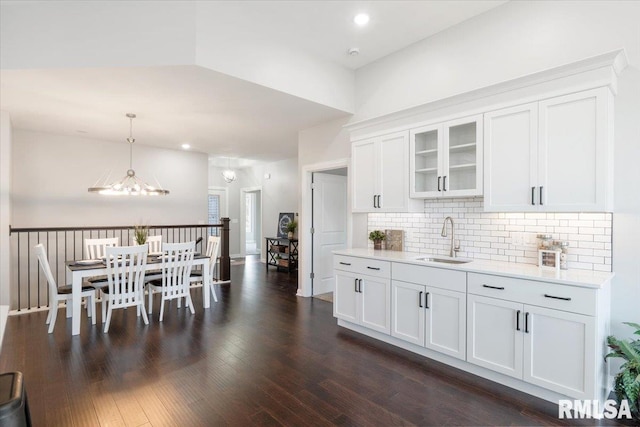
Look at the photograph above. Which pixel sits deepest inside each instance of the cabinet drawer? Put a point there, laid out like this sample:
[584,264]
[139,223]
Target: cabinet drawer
[429,276]
[533,292]
[369,267]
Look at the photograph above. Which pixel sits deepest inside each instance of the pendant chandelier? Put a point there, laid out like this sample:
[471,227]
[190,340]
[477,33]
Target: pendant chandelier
[130,185]
[229,174]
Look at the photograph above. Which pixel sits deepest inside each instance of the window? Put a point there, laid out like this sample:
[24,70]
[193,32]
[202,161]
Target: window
[214,213]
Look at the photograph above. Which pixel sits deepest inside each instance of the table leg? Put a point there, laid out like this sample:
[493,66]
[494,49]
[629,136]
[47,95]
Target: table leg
[76,300]
[206,284]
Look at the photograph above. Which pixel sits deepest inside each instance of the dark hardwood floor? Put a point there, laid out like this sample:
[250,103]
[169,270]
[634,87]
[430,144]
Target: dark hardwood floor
[260,356]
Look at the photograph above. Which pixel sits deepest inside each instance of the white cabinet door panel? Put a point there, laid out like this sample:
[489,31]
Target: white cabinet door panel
[408,313]
[492,339]
[363,164]
[511,158]
[345,304]
[559,351]
[375,306]
[393,177]
[446,322]
[572,153]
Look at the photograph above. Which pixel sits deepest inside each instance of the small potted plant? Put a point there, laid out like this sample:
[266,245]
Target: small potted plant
[291,229]
[140,233]
[377,236]
[627,381]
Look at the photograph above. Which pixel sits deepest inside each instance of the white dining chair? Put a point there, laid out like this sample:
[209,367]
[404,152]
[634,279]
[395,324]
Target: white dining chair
[213,250]
[155,244]
[125,281]
[62,293]
[95,249]
[177,260]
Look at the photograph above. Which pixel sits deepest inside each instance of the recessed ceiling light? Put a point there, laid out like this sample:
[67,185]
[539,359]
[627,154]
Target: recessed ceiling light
[185,146]
[361,19]
[354,51]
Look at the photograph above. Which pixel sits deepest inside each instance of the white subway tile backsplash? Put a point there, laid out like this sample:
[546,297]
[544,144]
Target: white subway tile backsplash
[490,235]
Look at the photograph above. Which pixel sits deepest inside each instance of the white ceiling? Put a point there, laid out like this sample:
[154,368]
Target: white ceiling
[216,113]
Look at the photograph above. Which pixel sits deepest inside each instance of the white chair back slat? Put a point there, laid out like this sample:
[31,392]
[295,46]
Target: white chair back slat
[95,248]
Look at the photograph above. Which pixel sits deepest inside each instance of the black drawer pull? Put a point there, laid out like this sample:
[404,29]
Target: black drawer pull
[345,263]
[518,320]
[439,178]
[541,203]
[526,322]
[355,285]
[373,268]
[426,300]
[494,287]
[444,183]
[554,297]
[360,285]
[420,299]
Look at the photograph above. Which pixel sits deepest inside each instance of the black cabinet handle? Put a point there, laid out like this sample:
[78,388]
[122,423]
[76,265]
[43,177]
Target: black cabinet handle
[345,263]
[374,201]
[360,285]
[526,322]
[355,285]
[426,300]
[541,196]
[554,297]
[518,320]
[420,299]
[500,288]
[379,205]
[444,183]
[373,268]
[533,195]
[439,178]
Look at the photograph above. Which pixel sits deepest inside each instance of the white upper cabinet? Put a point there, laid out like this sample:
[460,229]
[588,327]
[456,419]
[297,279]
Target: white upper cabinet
[446,159]
[380,174]
[553,155]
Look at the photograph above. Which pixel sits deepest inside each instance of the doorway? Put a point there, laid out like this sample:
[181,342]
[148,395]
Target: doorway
[251,214]
[329,225]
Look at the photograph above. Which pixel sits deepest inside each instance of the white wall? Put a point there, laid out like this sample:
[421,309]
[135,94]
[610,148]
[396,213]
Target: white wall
[5,208]
[512,40]
[261,61]
[59,34]
[51,174]
[516,39]
[279,194]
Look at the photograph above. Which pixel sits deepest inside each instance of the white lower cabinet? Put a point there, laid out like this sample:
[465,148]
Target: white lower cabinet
[493,337]
[550,348]
[548,336]
[361,298]
[560,351]
[428,308]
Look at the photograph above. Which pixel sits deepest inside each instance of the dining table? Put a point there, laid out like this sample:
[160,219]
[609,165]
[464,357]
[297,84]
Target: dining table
[78,270]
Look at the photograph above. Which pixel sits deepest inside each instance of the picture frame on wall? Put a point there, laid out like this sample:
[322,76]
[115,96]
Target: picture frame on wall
[283,220]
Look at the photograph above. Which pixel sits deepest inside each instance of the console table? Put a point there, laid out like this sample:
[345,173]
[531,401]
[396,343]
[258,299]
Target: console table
[282,253]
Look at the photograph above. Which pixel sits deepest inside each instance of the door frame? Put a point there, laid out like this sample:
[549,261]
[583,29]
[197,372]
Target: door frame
[305,261]
[243,232]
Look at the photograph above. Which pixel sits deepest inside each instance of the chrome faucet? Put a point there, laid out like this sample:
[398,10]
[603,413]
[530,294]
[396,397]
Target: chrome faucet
[454,248]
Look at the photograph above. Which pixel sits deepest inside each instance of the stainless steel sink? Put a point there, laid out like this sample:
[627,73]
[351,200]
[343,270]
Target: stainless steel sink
[444,260]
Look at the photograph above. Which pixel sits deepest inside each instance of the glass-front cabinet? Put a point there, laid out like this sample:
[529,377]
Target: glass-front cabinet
[446,159]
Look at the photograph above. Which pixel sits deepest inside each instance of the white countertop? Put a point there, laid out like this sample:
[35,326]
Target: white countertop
[582,278]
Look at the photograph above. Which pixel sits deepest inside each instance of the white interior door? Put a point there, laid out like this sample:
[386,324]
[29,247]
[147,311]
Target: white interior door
[330,227]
